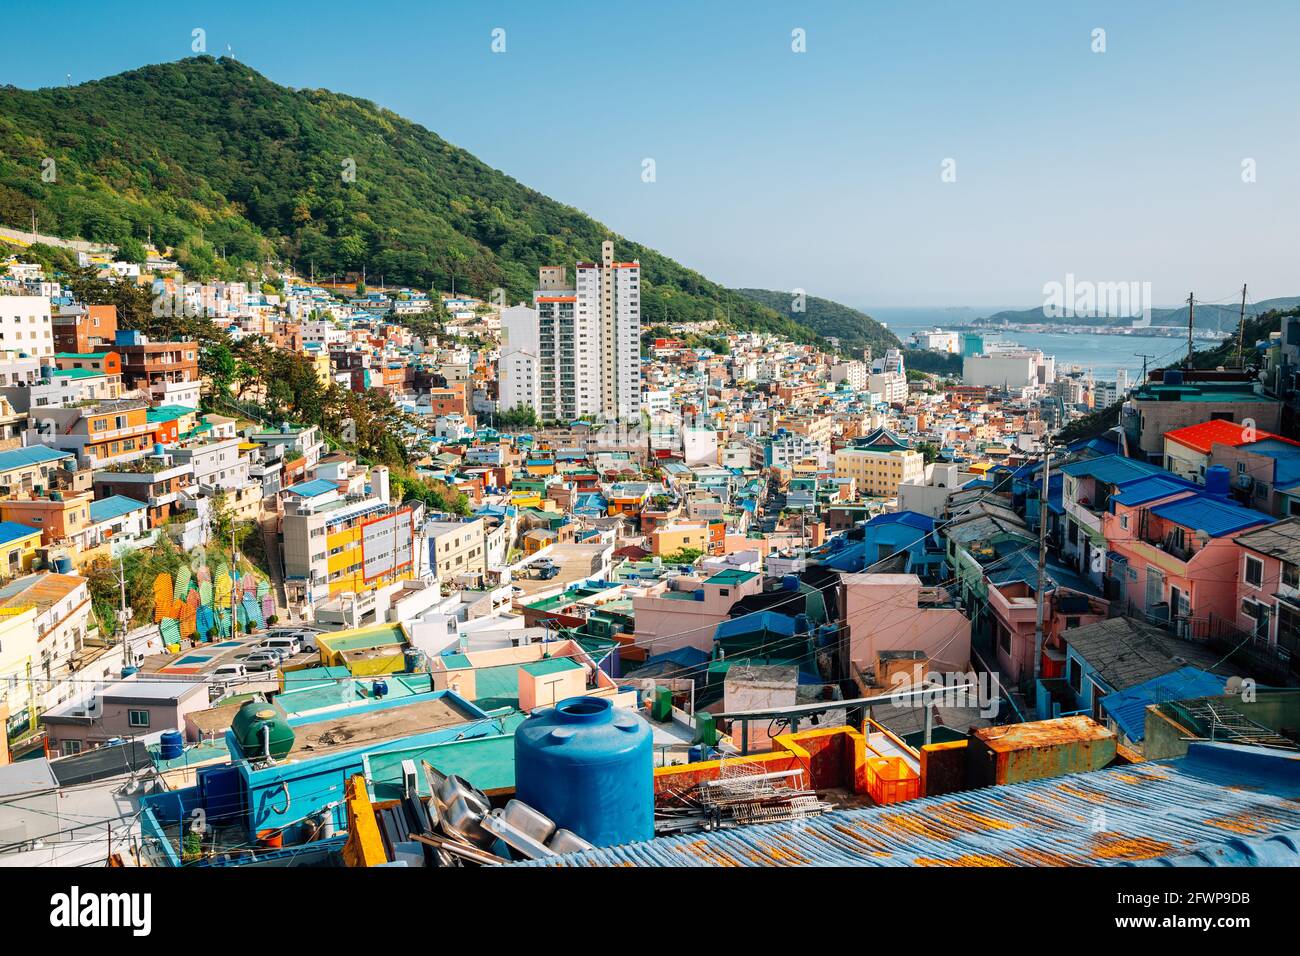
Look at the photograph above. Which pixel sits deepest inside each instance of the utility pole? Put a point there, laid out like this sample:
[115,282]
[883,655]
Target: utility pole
[1191,312]
[1042,567]
[1144,358]
[124,613]
[1241,328]
[234,589]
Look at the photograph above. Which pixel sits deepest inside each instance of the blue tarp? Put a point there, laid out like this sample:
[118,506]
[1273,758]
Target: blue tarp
[762,621]
[1128,708]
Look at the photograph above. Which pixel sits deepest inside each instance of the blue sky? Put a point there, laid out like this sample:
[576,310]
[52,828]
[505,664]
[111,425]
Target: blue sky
[818,170]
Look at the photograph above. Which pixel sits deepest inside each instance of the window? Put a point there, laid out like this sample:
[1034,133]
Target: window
[137,718]
[70,748]
[1254,572]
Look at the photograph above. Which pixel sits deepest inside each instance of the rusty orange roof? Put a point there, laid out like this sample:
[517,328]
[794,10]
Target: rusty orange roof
[41,589]
[557,298]
[1041,733]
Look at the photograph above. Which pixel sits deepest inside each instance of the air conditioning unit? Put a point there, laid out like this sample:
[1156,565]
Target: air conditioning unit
[1245,481]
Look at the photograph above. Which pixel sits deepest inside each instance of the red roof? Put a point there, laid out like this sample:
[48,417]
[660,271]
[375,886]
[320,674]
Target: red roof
[1203,436]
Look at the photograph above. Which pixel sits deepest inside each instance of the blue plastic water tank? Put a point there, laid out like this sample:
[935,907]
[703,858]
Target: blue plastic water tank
[63,565]
[1217,478]
[589,768]
[172,745]
[790,582]
[379,688]
[1173,376]
[128,671]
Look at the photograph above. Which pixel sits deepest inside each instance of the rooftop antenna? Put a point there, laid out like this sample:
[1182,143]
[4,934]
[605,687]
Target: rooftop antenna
[1191,322]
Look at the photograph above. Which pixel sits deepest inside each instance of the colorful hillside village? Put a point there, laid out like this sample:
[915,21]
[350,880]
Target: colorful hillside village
[310,576]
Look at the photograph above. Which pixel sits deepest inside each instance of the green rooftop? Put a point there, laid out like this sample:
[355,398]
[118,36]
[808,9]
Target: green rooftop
[499,686]
[731,577]
[369,637]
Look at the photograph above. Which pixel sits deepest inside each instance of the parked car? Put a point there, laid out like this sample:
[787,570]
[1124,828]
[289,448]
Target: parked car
[229,671]
[306,638]
[267,660]
[288,645]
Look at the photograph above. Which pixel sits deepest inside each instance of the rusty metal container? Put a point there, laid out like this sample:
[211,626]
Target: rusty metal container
[1037,750]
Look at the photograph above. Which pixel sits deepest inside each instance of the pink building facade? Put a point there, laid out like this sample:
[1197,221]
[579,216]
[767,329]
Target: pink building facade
[895,612]
[689,610]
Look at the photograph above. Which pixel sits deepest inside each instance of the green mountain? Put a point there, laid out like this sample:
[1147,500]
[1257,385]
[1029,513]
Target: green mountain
[829,319]
[230,170]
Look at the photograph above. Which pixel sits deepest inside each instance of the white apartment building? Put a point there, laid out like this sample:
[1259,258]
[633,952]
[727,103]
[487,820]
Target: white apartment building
[25,326]
[589,342]
[323,332]
[936,340]
[890,386]
[519,366]
[216,463]
[1012,368]
[855,373]
[456,547]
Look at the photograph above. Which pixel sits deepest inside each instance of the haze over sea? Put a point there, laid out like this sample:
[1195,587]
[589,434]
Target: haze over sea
[1102,353]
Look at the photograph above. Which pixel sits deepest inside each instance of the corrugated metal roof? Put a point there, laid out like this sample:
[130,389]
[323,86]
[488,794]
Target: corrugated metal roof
[1216,518]
[310,489]
[1280,850]
[106,509]
[1151,489]
[1202,437]
[33,455]
[1158,811]
[1112,469]
[11,531]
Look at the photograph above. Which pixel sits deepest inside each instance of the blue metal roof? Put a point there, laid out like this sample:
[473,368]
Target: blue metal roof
[1164,810]
[913,519]
[1128,708]
[310,489]
[1112,469]
[1102,445]
[106,509]
[1282,850]
[1150,489]
[1216,518]
[13,531]
[34,455]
